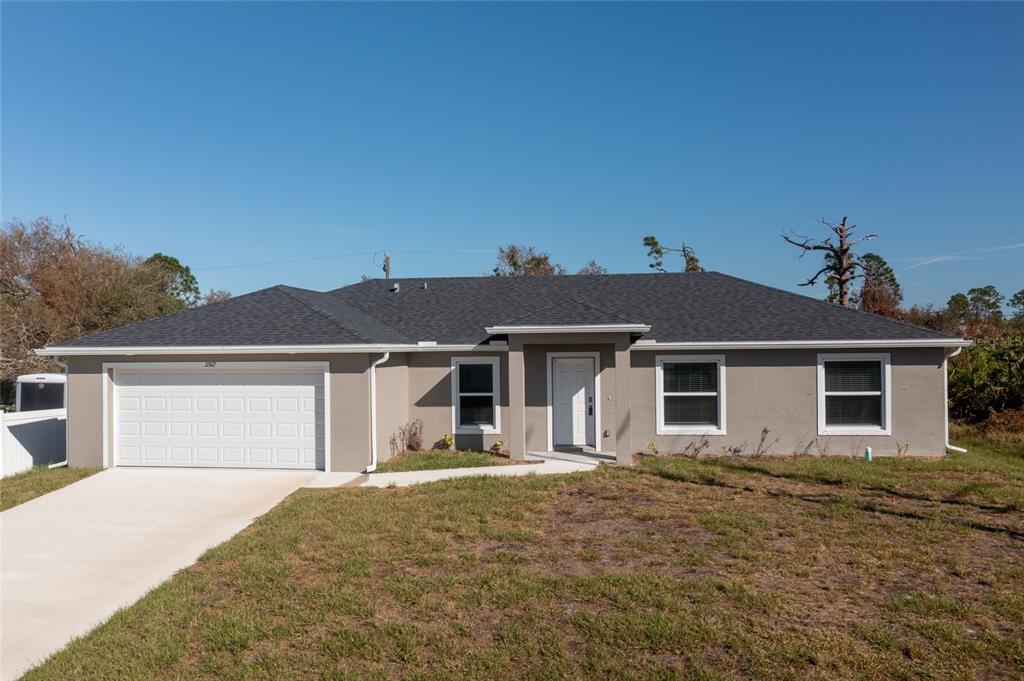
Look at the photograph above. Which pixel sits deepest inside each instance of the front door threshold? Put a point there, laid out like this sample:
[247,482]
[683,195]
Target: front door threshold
[575,454]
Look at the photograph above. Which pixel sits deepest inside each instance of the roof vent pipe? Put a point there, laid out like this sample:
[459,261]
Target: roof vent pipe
[394,287]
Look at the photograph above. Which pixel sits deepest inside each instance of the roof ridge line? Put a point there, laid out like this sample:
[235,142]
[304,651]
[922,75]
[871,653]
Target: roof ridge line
[513,278]
[332,320]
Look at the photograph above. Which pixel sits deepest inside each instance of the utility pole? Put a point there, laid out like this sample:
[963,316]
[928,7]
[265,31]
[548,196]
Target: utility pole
[387,265]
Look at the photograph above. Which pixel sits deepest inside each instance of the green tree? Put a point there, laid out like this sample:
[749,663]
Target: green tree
[986,303]
[55,285]
[525,261]
[880,292]
[987,378]
[179,282]
[959,308]
[842,265]
[1017,303]
[657,254]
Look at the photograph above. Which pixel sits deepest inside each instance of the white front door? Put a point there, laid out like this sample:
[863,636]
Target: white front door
[572,401]
[263,416]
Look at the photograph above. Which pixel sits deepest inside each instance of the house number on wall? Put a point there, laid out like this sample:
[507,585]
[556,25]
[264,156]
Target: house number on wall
[210,365]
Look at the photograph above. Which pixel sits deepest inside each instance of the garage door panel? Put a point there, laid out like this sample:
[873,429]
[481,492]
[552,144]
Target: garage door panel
[270,418]
[259,430]
[154,429]
[207,455]
[260,405]
[181,429]
[130,404]
[181,455]
[128,453]
[154,454]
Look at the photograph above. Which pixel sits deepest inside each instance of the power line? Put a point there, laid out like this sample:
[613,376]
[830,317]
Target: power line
[412,251]
[281,262]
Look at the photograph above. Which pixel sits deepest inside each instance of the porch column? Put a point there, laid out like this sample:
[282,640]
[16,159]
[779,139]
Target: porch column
[516,400]
[623,430]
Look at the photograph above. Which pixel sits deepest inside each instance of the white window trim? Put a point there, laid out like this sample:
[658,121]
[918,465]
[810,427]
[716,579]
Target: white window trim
[886,394]
[495,364]
[660,362]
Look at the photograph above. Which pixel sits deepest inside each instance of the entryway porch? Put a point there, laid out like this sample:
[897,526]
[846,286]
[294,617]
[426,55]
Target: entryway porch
[569,395]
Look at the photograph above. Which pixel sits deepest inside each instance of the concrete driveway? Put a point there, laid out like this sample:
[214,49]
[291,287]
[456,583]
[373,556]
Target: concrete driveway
[71,558]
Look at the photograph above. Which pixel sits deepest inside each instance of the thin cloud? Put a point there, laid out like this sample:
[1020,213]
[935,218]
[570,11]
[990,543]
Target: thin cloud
[972,254]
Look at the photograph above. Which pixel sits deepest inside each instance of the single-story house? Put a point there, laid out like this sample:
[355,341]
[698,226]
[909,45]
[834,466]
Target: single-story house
[293,378]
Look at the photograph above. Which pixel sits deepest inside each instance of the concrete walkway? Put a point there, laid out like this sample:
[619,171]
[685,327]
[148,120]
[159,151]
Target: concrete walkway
[541,467]
[71,558]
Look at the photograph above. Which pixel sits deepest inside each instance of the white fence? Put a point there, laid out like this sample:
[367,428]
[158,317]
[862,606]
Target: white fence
[31,438]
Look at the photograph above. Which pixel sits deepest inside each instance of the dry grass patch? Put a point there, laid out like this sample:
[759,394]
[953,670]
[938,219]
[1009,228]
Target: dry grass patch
[783,569]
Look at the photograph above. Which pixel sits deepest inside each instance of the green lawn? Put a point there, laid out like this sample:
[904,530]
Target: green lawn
[18,489]
[770,568]
[437,459]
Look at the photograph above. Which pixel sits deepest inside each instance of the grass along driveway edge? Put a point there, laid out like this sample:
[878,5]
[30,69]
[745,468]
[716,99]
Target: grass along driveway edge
[41,480]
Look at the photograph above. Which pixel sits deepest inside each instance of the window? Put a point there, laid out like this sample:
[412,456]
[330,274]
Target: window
[853,394]
[475,388]
[691,395]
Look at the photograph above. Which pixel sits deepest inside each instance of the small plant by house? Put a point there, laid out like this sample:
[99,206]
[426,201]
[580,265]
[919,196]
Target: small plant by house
[408,453]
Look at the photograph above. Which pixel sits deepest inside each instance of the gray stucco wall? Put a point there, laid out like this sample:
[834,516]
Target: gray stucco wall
[777,389]
[392,401]
[430,397]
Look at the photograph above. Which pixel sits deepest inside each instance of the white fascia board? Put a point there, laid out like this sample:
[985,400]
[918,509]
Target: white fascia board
[571,328]
[57,351]
[797,345]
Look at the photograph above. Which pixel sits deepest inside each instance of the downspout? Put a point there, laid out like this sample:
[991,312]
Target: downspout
[373,412]
[64,366]
[945,395]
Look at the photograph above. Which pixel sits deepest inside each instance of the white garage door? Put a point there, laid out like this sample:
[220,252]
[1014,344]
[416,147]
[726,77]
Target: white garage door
[270,416]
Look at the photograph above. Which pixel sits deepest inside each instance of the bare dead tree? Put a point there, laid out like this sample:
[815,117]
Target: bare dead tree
[842,265]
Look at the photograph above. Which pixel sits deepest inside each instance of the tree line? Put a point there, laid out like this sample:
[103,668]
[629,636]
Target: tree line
[55,285]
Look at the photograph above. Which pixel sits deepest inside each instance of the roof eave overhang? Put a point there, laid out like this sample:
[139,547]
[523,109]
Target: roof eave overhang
[82,351]
[427,346]
[805,344]
[569,328]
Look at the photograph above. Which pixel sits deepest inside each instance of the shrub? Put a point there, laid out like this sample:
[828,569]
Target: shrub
[409,438]
[987,378]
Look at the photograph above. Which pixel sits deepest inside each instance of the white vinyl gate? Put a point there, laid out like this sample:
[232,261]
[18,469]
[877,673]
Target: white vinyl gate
[256,416]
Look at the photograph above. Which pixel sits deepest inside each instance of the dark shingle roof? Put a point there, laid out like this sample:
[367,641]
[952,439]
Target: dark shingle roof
[680,307]
[272,316]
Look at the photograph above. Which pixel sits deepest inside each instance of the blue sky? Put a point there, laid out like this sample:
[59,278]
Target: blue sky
[231,134]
